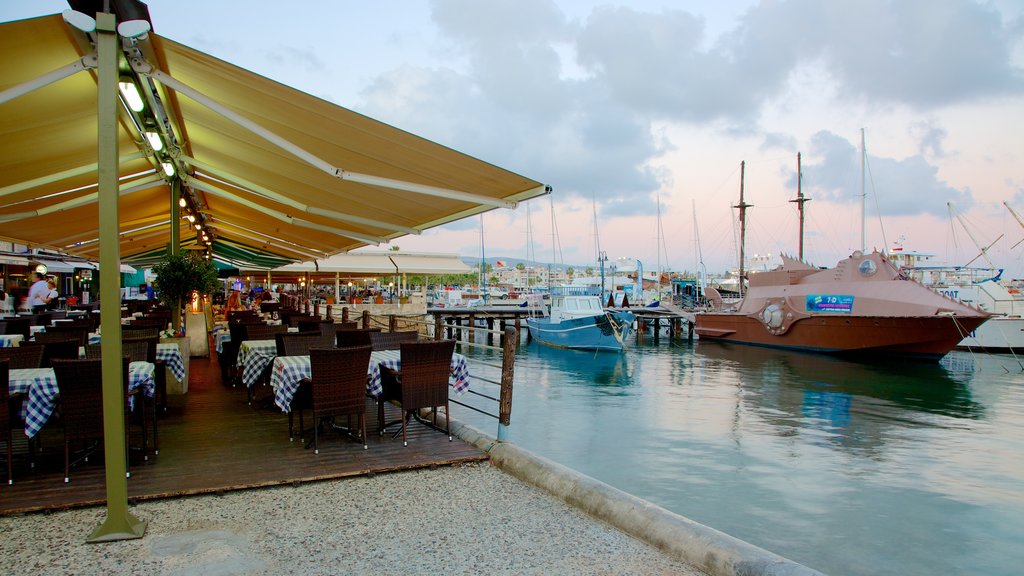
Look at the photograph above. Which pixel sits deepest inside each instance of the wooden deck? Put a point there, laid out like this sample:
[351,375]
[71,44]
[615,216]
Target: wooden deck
[215,443]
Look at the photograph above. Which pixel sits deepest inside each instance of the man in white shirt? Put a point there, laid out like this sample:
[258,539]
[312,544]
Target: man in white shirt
[39,293]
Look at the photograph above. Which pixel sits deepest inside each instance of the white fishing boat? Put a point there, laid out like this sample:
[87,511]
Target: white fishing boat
[577,320]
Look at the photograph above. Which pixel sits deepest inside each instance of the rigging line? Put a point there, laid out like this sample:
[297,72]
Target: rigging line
[871,177]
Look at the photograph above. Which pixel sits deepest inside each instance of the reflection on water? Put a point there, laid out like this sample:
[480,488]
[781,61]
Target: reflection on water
[847,467]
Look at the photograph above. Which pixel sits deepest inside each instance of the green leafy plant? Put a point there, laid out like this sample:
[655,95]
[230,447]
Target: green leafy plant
[178,275]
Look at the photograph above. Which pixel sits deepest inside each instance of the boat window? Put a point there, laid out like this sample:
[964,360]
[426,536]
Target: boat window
[571,304]
[591,304]
[868,267]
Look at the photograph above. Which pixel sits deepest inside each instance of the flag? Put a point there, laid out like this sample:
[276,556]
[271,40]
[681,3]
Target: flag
[500,263]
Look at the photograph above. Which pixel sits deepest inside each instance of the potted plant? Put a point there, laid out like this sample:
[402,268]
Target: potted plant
[178,276]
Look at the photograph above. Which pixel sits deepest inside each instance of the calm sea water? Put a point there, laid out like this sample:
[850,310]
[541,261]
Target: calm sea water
[845,467]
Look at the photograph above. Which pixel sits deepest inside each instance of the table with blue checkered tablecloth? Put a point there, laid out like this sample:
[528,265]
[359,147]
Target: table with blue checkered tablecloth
[253,357]
[168,352]
[40,387]
[289,371]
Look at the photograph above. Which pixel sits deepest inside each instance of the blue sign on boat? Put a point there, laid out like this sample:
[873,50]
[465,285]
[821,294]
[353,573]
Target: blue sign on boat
[830,303]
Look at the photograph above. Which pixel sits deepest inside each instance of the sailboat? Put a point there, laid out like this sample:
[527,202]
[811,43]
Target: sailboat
[864,307]
[978,286]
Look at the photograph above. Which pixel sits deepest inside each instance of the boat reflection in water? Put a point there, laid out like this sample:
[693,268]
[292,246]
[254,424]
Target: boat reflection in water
[847,467]
[853,402]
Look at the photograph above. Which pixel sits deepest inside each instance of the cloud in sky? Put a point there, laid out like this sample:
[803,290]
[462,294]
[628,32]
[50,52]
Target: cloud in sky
[586,124]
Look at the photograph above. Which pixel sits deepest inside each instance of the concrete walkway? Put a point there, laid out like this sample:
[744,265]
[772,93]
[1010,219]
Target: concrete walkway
[471,519]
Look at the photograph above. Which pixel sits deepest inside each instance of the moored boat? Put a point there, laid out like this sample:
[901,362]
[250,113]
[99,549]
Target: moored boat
[577,320]
[863,307]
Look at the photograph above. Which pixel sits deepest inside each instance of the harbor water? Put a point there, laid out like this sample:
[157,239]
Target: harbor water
[846,467]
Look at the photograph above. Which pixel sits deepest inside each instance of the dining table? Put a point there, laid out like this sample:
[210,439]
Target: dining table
[39,385]
[289,371]
[253,357]
[170,353]
[11,340]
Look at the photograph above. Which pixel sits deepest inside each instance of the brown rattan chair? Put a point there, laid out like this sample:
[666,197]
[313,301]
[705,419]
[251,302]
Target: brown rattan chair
[338,388]
[299,343]
[421,383]
[135,331]
[137,350]
[263,332]
[228,356]
[392,340]
[351,338]
[24,356]
[81,407]
[5,417]
[63,331]
[317,325]
[66,349]
[19,325]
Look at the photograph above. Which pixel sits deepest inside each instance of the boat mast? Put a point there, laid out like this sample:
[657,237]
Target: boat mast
[698,255]
[483,262]
[743,225]
[983,249]
[800,200]
[863,195]
[1019,221]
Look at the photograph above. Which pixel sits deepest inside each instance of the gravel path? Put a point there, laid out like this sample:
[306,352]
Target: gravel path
[471,519]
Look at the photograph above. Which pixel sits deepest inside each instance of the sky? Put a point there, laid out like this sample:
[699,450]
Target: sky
[638,114]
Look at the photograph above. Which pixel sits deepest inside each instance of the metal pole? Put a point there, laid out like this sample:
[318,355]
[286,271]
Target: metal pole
[119,524]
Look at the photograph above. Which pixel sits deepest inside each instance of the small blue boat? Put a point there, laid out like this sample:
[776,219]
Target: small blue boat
[578,321]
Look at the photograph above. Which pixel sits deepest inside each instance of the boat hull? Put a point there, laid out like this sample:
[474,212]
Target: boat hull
[608,331]
[1000,335]
[918,337]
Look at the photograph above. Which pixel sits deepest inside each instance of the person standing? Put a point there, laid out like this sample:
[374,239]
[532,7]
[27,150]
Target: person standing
[38,294]
[52,297]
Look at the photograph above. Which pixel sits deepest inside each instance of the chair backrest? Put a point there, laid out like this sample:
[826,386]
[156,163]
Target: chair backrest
[299,343]
[66,349]
[24,356]
[58,314]
[81,395]
[350,338]
[317,325]
[425,369]
[140,332]
[350,325]
[238,314]
[16,326]
[135,350]
[392,340]
[338,377]
[262,331]
[148,353]
[63,331]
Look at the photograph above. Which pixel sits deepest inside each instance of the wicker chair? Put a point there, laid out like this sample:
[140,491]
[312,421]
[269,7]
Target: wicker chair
[392,340]
[422,383]
[317,325]
[64,331]
[338,388]
[66,349]
[137,350]
[299,343]
[17,325]
[5,417]
[81,407]
[263,332]
[228,355]
[133,331]
[351,338]
[24,356]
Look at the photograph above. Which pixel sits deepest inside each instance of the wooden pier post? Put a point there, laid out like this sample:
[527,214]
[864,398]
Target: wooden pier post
[641,330]
[392,323]
[438,327]
[689,332]
[316,309]
[657,330]
[366,319]
[329,312]
[344,313]
[508,362]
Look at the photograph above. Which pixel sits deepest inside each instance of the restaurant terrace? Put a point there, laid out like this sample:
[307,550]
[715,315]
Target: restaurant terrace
[120,145]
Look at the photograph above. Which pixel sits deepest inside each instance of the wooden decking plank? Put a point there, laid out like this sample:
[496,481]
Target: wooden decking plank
[215,443]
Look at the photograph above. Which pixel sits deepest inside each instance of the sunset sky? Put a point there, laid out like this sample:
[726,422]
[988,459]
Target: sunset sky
[625,106]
